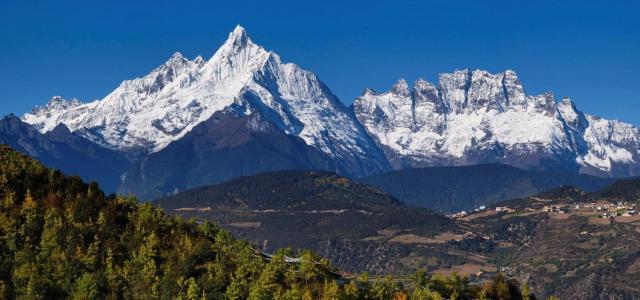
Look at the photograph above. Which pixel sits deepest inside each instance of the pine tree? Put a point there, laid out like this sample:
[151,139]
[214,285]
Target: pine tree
[526,293]
[86,287]
[331,291]
[193,291]
[351,290]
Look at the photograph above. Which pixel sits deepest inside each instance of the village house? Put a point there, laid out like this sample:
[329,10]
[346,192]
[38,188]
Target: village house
[503,208]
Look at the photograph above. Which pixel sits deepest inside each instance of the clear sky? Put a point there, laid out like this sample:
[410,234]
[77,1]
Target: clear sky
[84,49]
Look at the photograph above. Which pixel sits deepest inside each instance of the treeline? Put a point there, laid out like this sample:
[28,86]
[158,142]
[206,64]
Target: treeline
[61,238]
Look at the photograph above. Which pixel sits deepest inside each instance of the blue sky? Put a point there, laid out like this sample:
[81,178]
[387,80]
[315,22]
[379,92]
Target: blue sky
[84,49]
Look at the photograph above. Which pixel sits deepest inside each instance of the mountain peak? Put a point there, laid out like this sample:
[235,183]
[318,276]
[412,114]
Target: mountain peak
[238,37]
[56,99]
[239,30]
[368,91]
[58,102]
[510,73]
[176,59]
[239,46]
[400,87]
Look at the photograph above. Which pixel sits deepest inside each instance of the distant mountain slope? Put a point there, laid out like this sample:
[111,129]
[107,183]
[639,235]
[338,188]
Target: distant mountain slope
[226,146]
[339,218]
[453,189]
[308,190]
[64,150]
[624,189]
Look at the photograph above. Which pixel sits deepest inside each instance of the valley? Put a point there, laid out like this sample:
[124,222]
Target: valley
[63,238]
[553,241]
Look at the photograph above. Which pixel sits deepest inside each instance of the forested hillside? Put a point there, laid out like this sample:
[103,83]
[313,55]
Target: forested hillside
[62,238]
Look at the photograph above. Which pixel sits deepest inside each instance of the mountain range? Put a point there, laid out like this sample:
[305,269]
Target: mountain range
[243,111]
[474,117]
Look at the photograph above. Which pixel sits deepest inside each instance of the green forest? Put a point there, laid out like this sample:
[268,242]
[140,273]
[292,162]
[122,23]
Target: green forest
[62,238]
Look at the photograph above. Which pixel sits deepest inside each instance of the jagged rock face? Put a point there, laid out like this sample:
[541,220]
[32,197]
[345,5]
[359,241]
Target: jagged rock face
[478,117]
[147,114]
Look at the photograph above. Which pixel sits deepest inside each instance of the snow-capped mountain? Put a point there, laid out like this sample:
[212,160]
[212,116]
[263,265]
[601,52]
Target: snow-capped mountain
[467,118]
[149,113]
[476,117]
